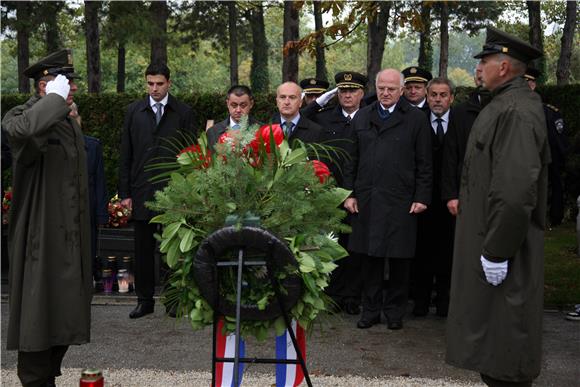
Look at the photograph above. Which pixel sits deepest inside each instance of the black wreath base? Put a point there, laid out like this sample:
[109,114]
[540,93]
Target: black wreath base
[226,242]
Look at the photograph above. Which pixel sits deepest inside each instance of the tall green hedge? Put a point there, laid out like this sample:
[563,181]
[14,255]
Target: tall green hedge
[103,116]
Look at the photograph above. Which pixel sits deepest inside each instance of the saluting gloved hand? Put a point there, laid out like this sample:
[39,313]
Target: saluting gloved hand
[495,272]
[324,98]
[58,85]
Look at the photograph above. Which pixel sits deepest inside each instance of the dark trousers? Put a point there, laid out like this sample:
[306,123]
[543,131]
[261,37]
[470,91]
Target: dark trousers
[345,279]
[556,195]
[434,255]
[492,382]
[37,369]
[145,261]
[394,305]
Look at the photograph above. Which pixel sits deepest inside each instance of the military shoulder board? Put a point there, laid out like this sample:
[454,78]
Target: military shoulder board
[554,108]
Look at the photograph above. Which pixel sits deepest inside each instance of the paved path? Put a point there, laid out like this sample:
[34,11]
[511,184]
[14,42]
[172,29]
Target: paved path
[157,351]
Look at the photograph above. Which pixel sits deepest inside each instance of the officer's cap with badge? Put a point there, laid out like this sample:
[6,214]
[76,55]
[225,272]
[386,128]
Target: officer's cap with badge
[416,74]
[313,86]
[500,42]
[59,62]
[532,74]
[350,80]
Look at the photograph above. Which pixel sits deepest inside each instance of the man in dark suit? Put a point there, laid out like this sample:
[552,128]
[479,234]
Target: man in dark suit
[559,147]
[435,226]
[390,175]
[295,126]
[416,87]
[455,143]
[344,287]
[240,102]
[148,122]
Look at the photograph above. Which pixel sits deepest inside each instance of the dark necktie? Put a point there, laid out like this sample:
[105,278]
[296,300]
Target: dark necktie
[288,126]
[348,118]
[158,112]
[384,113]
[440,131]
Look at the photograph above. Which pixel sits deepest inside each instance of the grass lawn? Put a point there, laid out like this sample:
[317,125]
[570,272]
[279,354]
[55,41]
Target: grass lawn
[562,267]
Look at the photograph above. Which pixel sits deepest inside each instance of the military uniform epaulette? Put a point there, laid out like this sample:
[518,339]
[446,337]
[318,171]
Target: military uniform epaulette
[554,108]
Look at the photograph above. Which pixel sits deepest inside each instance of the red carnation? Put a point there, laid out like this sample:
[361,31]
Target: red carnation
[196,149]
[321,170]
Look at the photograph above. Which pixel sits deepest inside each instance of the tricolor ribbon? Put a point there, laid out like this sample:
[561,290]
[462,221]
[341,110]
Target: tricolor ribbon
[226,347]
[290,375]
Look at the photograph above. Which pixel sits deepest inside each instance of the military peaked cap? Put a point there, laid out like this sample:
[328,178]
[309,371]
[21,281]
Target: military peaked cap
[416,74]
[500,42]
[350,80]
[532,74]
[59,62]
[313,86]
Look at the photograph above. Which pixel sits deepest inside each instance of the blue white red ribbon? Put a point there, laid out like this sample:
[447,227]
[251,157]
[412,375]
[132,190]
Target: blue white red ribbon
[226,348]
[290,375]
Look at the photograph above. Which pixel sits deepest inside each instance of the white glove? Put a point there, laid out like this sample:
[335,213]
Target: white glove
[58,85]
[495,272]
[324,98]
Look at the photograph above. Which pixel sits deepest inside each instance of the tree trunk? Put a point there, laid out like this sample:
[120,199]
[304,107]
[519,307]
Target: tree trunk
[444,49]
[290,34]
[377,34]
[563,70]
[23,39]
[535,22]
[51,11]
[159,14]
[121,68]
[233,30]
[259,77]
[92,44]
[425,43]
[320,58]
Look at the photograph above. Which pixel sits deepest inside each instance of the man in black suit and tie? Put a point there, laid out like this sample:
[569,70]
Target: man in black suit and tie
[240,102]
[295,126]
[435,227]
[148,123]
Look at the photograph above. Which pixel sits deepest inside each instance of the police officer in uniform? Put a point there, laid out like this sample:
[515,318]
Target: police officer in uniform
[312,89]
[344,285]
[559,147]
[415,91]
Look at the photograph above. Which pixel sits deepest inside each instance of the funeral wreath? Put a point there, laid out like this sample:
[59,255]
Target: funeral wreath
[252,173]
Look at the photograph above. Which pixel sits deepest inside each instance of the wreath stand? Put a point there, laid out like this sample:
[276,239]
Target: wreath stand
[242,239]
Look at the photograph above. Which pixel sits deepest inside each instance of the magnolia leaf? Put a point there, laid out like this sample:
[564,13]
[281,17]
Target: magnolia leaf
[306,269]
[185,159]
[173,253]
[340,195]
[306,260]
[186,241]
[328,267]
[164,245]
[231,206]
[161,218]
[321,283]
[297,155]
[170,230]
[279,326]
[196,315]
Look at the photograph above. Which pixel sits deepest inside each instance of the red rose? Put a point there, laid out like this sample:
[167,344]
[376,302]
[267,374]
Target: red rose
[321,170]
[263,137]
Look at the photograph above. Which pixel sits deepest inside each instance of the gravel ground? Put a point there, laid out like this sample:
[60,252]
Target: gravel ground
[158,378]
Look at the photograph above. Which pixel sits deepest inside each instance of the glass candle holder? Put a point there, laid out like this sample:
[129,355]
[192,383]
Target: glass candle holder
[123,280]
[108,281]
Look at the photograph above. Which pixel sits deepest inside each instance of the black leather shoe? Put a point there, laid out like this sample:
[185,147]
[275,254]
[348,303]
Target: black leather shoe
[395,325]
[365,324]
[141,310]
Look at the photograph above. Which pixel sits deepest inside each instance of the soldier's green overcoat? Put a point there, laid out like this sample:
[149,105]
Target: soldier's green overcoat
[49,236]
[497,330]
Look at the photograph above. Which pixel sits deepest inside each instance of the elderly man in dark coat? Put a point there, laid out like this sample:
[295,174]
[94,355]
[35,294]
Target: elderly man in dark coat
[495,315]
[390,174]
[49,238]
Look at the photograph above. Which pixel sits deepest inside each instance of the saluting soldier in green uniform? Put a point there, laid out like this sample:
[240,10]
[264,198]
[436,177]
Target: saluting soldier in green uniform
[495,314]
[49,238]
